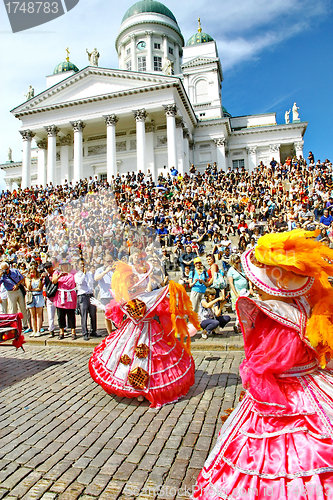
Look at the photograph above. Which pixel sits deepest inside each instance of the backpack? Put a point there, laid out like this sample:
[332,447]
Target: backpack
[219,282]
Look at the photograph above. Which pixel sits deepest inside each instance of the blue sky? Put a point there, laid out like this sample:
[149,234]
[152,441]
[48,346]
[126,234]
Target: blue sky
[273,53]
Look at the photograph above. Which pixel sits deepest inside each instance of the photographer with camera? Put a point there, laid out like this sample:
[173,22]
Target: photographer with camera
[210,312]
[13,281]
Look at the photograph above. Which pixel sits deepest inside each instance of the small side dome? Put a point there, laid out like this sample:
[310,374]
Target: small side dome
[65,66]
[226,114]
[199,37]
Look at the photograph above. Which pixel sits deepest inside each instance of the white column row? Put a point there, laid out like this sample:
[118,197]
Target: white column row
[177,139]
[46,170]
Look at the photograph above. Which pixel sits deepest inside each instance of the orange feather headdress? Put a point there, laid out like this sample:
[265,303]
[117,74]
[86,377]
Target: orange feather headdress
[300,254]
[121,281]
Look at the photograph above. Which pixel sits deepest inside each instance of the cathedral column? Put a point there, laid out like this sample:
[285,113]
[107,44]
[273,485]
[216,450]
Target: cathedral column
[65,143]
[150,159]
[27,136]
[252,158]
[9,184]
[171,111]
[299,148]
[180,145]
[52,131]
[150,64]
[220,150]
[111,165]
[133,53]
[274,151]
[78,127]
[186,147]
[41,162]
[140,116]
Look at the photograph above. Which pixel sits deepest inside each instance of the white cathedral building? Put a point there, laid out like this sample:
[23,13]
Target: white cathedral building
[161,109]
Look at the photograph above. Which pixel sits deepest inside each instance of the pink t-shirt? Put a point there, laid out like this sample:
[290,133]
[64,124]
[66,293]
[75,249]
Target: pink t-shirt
[65,298]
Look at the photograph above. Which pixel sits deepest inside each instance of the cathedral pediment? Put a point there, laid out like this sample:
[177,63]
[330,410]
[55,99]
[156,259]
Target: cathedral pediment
[200,61]
[91,83]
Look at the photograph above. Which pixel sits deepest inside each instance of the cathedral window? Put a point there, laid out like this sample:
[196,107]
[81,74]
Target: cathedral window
[129,65]
[171,51]
[157,63]
[238,164]
[157,46]
[128,51]
[142,63]
[201,91]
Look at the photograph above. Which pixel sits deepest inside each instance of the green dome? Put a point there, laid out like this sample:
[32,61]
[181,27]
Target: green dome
[199,37]
[65,66]
[225,113]
[148,6]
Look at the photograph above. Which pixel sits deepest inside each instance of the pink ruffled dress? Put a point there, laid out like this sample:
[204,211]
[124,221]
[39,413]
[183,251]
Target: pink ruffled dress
[147,344]
[278,443]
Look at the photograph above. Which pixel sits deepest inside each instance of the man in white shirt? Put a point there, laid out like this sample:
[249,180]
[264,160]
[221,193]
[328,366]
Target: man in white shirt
[103,275]
[85,290]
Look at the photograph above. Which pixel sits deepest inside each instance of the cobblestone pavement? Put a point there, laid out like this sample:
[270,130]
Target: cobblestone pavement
[62,437]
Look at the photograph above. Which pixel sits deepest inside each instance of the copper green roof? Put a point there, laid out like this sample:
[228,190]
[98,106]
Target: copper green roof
[226,113]
[199,37]
[148,6]
[65,66]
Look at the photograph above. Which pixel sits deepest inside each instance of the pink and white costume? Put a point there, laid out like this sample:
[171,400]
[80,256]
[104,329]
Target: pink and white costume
[278,442]
[169,367]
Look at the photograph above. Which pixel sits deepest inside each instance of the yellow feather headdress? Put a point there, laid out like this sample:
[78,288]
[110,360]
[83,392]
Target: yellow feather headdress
[297,251]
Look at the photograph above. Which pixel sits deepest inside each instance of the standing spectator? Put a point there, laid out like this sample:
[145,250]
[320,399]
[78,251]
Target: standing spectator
[51,309]
[216,276]
[3,299]
[239,284]
[34,284]
[12,279]
[185,278]
[65,299]
[85,290]
[104,275]
[198,284]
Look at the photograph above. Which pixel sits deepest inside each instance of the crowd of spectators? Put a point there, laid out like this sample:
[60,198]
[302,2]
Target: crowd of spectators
[197,224]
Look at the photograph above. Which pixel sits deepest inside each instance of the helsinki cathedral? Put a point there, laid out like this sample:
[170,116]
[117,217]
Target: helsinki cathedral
[161,108]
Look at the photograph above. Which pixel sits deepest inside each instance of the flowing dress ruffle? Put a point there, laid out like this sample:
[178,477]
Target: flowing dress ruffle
[278,443]
[170,367]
